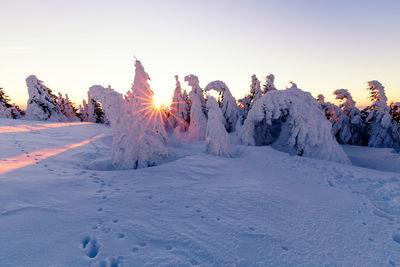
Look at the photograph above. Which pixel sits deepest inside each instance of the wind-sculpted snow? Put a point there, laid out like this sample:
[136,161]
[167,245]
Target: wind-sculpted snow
[217,138]
[228,104]
[292,122]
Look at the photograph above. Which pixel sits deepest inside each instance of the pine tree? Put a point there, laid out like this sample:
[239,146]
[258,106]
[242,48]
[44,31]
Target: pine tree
[395,111]
[198,118]
[269,84]
[180,108]
[291,121]
[139,139]
[217,138]
[382,129]
[350,130]
[246,103]
[42,103]
[227,103]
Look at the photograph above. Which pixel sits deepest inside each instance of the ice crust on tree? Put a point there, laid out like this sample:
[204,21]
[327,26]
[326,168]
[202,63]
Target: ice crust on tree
[42,103]
[137,140]
[382,129]
[292,121]
[198,119]
[217,138]
[227,103]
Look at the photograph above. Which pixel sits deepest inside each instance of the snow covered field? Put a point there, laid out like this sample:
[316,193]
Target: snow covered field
[260,208]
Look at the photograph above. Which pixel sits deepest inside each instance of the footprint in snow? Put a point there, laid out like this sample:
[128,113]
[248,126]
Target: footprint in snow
[91,246]
[112,262]
[396,238]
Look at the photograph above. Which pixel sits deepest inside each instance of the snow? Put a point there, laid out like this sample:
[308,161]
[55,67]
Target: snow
[291,121]
[217,138]
[139,138]
[260,208]
[42,103]
[198,119]
[227,104]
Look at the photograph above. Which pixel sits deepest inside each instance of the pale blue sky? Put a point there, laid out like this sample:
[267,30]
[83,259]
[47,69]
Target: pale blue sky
[320,45]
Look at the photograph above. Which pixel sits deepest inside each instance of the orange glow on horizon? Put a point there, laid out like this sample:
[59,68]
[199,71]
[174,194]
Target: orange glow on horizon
[37,127]
[23,160]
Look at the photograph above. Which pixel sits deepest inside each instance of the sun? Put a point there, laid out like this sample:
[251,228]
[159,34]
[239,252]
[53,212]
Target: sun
[157,102]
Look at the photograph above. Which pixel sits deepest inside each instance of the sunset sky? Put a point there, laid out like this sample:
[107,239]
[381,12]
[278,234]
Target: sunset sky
[320,45]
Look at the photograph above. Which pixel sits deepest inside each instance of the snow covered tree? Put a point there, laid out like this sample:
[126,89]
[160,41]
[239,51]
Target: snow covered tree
[179,115]
[42,103]
[320,98]
[92,111]
[227,103]
[382,129]
[348,126]
[67,107]
[138,141]
[198,119]
[8,110]
[247,102]
[217,138]
[395,111]
[291,121]
[269,84]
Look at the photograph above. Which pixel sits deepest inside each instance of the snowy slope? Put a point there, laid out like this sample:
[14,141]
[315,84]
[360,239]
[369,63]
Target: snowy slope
[260,208]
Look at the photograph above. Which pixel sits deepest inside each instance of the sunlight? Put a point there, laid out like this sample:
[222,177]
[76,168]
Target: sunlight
[157,102]
[36,127]
[13,163]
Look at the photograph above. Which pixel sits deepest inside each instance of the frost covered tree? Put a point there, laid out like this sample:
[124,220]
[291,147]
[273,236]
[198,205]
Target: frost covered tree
[217,138]
[227,103]
[179,116]
[8,110]
[42,103]
[67,107]
[395,111]
[92,111]
[320,98]
[269,84]
[248,101]
[138,141]
[198,118]
[382,129]
[291,121]
[347,125]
